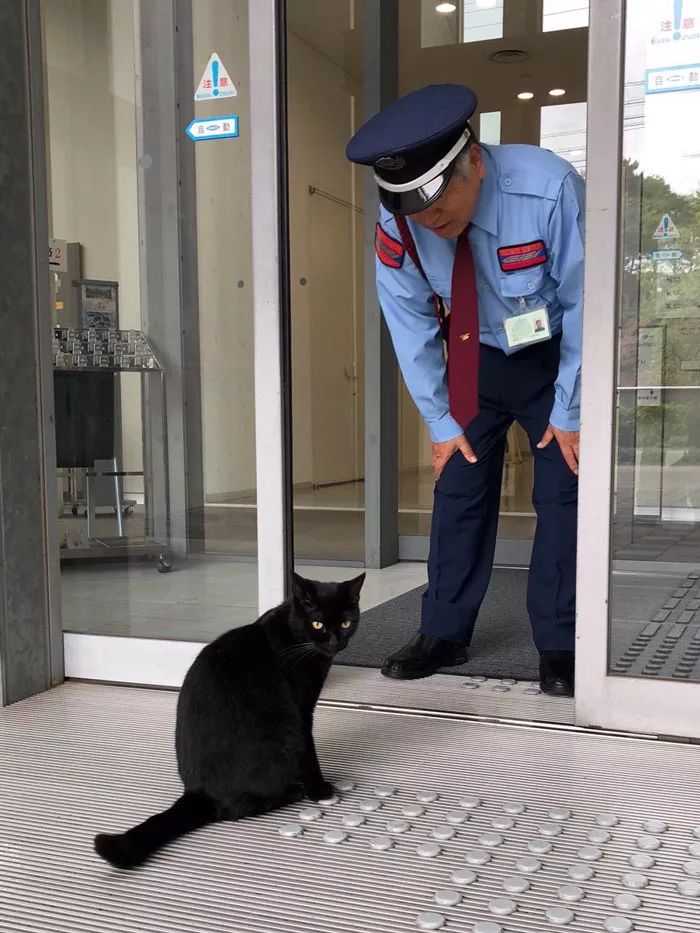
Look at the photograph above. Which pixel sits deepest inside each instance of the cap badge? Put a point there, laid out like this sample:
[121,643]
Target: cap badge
[392,163]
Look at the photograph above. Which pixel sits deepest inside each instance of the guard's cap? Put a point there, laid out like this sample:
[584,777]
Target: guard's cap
[413,144]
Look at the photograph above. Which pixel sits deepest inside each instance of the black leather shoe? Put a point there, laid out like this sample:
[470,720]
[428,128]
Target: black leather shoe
[422,656]
[557,673]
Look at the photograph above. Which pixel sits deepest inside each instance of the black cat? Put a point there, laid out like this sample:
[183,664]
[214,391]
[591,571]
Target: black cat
[244,737]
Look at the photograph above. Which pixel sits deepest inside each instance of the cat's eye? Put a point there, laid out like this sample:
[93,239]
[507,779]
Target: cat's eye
[318,626]
[346,624]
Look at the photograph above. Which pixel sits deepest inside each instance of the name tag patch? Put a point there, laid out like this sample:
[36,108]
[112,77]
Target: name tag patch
[522,256]
[389,250]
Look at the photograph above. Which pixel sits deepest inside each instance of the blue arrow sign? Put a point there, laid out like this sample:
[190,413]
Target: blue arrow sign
[661,255]
[213,128]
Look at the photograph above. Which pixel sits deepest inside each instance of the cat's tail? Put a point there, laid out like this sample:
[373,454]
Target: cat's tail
[132,848]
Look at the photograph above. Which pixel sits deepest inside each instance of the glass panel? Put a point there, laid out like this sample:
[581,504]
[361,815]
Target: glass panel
[440,23]
[482,20]
[655,629]
[490,127]
[154,397]
[324,88]
[560,127]
[564,14]
[225,281]
[463,21]
[563,130]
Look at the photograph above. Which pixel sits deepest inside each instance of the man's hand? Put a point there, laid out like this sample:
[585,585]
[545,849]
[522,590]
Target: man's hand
[445,449]
[568,444]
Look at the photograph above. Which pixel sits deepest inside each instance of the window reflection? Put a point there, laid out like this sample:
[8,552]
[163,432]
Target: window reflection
[656,529]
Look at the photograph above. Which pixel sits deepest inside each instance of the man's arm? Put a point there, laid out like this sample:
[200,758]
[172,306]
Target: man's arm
[407,300]
[566,238]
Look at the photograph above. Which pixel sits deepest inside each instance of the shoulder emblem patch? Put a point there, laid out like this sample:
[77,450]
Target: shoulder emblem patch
[389,250]
[522,256]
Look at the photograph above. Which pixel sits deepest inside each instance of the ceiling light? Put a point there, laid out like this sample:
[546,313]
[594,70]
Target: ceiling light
[446,7]
[557,92]
[525,95]
[486,4]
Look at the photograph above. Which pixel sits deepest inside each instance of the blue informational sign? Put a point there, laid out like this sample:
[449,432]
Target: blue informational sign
[213,128]
[664,255]
[672,78]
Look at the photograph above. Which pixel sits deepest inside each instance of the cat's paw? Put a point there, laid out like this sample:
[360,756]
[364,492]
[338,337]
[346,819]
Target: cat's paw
[321,790]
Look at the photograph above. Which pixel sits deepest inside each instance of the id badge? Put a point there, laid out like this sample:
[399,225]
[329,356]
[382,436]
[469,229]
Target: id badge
[529,327]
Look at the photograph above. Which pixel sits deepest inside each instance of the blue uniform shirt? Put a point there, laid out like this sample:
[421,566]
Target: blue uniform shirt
[527,194]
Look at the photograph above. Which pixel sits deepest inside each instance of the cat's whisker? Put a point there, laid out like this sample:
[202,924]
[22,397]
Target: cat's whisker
[307,649]
[302,655]
[294,649]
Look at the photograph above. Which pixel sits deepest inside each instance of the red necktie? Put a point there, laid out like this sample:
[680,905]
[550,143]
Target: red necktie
[460,329]
[463,340]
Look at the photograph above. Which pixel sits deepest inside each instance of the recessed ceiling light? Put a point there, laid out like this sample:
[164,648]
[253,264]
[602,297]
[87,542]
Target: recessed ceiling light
[557,92]
[446,7]
[525,95]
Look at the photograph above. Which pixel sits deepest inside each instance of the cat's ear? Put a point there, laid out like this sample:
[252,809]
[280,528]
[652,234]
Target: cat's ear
[301,590]
[353,588]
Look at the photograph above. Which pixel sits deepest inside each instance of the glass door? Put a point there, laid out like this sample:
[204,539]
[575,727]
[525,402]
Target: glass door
[527,63]
[331,80]
[154,259]
[639,544]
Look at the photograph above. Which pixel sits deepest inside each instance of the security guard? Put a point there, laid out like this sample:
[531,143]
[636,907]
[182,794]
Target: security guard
[480,253]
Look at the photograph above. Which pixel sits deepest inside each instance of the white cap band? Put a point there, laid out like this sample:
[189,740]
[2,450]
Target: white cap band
[433,172]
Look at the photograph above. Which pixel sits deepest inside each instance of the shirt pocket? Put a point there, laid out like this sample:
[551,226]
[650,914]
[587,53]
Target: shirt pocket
[528,284]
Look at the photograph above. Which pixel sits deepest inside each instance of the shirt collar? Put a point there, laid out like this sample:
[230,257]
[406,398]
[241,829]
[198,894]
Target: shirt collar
[486,213]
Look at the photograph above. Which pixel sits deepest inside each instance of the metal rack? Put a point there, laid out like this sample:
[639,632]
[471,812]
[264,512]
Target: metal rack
[105,350]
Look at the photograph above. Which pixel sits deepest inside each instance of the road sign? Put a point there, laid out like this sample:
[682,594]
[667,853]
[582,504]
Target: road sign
[213,128]
[661,255]
[666,230]
[216,81]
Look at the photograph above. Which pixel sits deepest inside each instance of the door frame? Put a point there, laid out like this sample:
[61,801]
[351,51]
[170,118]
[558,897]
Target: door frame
[631,704]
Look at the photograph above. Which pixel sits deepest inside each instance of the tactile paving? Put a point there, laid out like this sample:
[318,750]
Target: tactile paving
[83,759]
[620,900]
[667,644]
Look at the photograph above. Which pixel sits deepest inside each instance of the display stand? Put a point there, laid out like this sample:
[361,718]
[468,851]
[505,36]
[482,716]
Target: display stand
[87,363]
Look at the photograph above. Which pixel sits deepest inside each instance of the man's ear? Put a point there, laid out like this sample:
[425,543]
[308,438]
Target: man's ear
[476,161]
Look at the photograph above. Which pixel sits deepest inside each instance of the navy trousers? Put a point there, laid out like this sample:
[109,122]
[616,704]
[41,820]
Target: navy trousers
[518,388]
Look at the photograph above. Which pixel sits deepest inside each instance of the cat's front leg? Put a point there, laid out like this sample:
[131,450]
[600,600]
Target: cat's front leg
[315,785]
